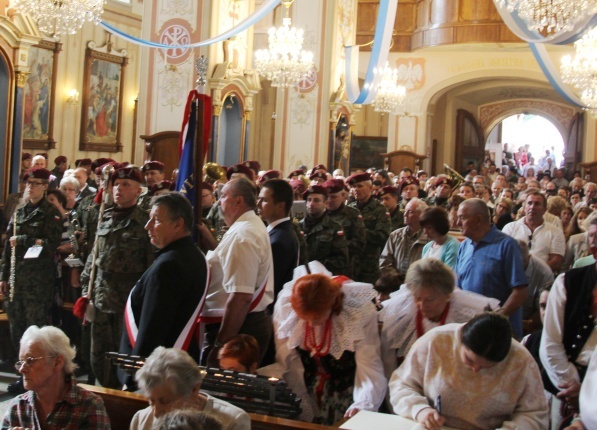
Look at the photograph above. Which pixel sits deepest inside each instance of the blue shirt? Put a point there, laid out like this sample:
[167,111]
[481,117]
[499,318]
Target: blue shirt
[492,267]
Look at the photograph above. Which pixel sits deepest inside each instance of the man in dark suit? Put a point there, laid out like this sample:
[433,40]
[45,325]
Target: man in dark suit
[164,304]
[273,206]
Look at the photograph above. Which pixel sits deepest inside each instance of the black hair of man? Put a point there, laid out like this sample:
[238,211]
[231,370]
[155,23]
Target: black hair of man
[281,192]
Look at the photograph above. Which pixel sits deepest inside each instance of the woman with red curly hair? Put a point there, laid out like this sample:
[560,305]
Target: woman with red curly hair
[328,344]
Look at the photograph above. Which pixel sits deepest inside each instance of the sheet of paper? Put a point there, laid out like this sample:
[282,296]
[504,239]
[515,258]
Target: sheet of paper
[366,420]
[33,252]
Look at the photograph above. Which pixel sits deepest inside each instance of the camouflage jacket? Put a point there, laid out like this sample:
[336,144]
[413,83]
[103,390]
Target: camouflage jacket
[351,221]
[327,244]
[397,218]
[144,201]
[124,253]
[217,223]
[43,223]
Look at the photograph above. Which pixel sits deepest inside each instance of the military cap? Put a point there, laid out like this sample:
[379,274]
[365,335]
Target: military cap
[409,180]
[318,175]
[270,174]
[153,165]
[59,160]
[162,185]
[297,185]
[443,180]
[358,177]
[388,189]
[239,168]
[334,185]
[253,165]
[83,162]
[320,166]
[297,172]
[98,170]
[26,156]
[98,162]
[37,173]
[130,172]
[207,186]
[315,189]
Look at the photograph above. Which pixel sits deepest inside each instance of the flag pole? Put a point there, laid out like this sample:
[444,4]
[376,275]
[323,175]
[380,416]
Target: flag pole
[201,87]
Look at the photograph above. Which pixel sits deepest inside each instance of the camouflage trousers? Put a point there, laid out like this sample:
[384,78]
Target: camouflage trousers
[29,307]
[106,331]
[367,270]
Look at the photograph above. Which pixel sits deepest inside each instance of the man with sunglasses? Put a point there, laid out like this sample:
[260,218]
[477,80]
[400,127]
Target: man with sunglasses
[38,232]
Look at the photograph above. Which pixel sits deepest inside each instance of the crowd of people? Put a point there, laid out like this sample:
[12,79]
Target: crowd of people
[385,291]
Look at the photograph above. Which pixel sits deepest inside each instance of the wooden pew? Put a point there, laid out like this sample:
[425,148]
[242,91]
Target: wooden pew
[122,405]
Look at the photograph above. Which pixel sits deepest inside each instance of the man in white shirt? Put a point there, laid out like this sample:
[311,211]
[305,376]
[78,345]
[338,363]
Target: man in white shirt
[242,274]
[545,240]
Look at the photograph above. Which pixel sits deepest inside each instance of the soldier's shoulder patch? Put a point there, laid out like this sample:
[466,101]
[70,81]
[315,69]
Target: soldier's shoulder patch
[360,216]
[340,233]
[57,218]
[388,214]
[302,234]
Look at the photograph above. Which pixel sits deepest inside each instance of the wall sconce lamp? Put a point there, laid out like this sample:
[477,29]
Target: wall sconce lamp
[73,98]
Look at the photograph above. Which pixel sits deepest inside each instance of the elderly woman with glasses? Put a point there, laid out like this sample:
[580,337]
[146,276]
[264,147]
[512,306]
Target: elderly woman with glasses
[54,400]
[429,300]
[70,187]
[171,379]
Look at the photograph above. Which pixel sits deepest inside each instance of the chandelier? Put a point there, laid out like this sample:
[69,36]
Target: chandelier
[285,63]
[57,17]
[552,15]
[389,94]
[581,71]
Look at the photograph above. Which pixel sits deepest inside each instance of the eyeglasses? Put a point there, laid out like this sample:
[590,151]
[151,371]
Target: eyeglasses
[34,184]
[68,189]
[530,241]
[29,361]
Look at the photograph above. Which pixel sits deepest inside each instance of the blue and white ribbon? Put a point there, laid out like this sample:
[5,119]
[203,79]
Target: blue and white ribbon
[379,55]
[258,15]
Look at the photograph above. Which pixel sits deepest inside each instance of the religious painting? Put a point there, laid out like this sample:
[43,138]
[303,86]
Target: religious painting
[101,112]
[365,152]
[38,96]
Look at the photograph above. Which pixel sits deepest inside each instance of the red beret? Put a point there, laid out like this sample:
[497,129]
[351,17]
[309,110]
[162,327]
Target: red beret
[153,165]
[162,185]
[297,185]
[320,166]
[131,172]
[26,156]
[60,159]
[98,170]
[270,174]
[37,173]
[239,168]
[388,189]
[409,180]
[443,180]
[83,162]
[207,186]
[315,189]
[358,177]
[98,162]
[253,165]
[297,172]
[334,185]
[318,175]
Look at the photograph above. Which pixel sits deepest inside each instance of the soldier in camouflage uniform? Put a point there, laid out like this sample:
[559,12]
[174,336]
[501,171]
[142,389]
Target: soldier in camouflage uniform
[443,191]
[38,223]
[153,171]
[389,198]
[349,218]
[377,225]
[408,190]
[124,253]
[325,238]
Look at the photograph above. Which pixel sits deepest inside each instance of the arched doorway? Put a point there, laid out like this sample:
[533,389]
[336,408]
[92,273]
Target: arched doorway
[231,147]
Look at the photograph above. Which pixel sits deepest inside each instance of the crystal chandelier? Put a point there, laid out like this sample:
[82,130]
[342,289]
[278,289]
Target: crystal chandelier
[57,17]
[389,94]
[552,15]
[581,71]
[284,63]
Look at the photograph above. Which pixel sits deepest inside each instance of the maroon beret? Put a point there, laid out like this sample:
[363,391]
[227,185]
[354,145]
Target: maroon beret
[59,160]
[83,162]
[131,172]
[315,189]
[297,185]
[320,166]
[297,172]
[162,185]
[37,173]
[443,180]
[334,185]
[98,162]
[270,174]
[358,177]
[207,186]
[26,156]
[98,170]
[388,189]
[153,165]
[239,168]
[318,175]
[253,165]
[409,180]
